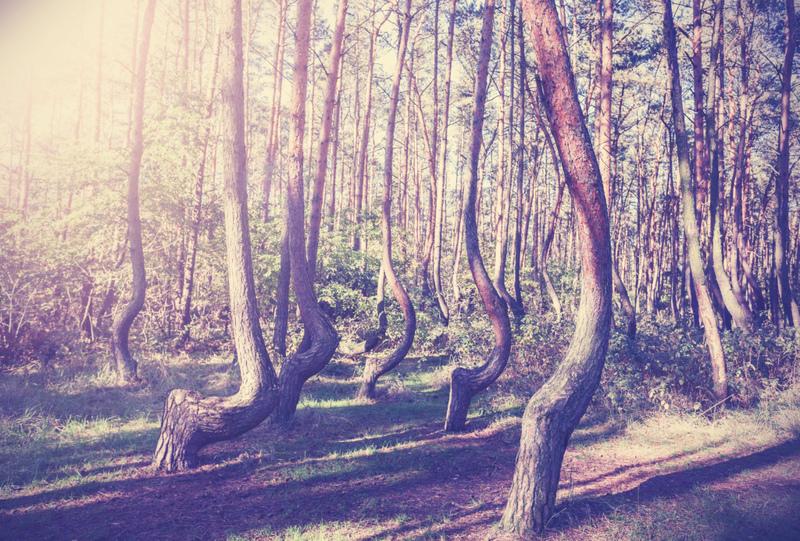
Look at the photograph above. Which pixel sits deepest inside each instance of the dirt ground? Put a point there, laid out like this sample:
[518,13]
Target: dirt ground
[427,485]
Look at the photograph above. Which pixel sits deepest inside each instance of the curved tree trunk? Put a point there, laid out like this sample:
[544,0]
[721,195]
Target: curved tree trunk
[375,368]
[465,383]
[191,420]
[554,411]
[690,224]
[125,363]
[298,367]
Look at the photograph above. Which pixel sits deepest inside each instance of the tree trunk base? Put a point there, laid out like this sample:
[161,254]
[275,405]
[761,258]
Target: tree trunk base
[192,421]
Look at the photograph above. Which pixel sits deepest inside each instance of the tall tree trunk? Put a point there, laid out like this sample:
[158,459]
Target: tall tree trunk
[518,225]
[503,204]
[125,363]
[551,228]
[444,310]
[690,225]
[317,196]
[736,306]
[322,337]
[554,411]
[377,367]
[362,155]
[191,420]
[197,208]
[790,309]
[465,383]
[604,156]
[274,136]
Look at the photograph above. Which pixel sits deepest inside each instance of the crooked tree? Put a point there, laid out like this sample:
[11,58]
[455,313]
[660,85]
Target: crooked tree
[554,411]
[322,337]
[465,383]
[377,367]
[120,329]
[192,420]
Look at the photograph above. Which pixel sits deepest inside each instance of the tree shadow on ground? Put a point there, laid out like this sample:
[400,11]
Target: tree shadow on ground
[740,500]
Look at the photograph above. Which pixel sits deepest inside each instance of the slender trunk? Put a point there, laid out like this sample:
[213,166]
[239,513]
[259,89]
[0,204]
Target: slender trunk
[322,337]
[191,420]
[362,156]
[274,136]
[690,223]
[554,411]
[377,367]
[503,196]
[790,309]
[738,309]
[197,208]
[444,311]
[315,217]
[125,364]
[465,383]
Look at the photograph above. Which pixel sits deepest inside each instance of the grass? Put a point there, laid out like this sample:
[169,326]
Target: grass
[75,450]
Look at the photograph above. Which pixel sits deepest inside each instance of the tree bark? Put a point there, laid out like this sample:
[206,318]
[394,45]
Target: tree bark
[554,411]
[323,339]
[604,156]
[375,368]
[736,306]
[318,193]
[197,209]
[191,420]
[444,310]
[465,383]
[690,223]
[504,190]
[790,309]
[125,363]
[274,137]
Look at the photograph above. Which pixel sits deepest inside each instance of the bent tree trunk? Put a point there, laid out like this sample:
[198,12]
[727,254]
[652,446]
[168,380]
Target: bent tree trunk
[554,411]
[690,224]
[322,336]
[191,420]
[465,383]
[375,368]
[125,364]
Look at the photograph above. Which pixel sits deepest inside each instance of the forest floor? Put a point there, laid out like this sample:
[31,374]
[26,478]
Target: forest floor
[74,464]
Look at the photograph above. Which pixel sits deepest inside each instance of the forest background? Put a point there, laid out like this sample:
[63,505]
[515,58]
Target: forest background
[68,127]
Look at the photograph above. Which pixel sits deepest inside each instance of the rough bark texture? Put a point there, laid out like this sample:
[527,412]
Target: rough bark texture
[556,408]
[125,364]
[298,367]
[465,383]
[377,367]
[690,224]
[191,420]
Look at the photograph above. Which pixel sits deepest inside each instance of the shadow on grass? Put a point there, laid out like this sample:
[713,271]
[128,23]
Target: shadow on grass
[759,510]
[428,481]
